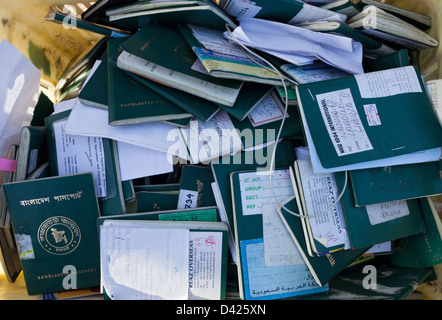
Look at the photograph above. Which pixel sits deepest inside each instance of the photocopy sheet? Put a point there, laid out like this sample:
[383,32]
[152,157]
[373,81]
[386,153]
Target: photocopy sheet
[284,41]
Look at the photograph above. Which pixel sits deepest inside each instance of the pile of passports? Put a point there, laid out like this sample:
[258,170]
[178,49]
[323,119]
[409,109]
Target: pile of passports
[190,165]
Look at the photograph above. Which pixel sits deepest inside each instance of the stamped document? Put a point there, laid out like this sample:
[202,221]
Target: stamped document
[343,123]
[77,154]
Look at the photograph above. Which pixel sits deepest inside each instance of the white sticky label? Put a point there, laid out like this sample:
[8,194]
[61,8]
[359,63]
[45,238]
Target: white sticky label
[372,115]
[387,211]
[343,123]
[24,246]
[187,199]
[388,82]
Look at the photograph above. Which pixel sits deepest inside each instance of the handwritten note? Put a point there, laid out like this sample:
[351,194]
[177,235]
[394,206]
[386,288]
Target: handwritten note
[270,109]
[187,199]
[262,282]
[77,154]
[387,211]
[343,123]
[255,189]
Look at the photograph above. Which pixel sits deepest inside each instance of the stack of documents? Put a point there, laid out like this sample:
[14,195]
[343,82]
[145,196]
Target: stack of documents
[230,149]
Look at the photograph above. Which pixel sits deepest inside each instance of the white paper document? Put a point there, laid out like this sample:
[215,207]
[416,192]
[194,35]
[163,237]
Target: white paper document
[389,82]
[205,258]
[387,211]
[270,109]
[434,91]
[160,260]
[344,126]
[89,121]
[140,265]
[138,162]
[289,42]
[77,154]
[19,90]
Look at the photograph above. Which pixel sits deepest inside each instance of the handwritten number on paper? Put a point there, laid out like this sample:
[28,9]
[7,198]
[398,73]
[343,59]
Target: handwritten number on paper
[189,201]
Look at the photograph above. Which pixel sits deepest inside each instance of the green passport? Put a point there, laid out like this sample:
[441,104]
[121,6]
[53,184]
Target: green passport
[54,221]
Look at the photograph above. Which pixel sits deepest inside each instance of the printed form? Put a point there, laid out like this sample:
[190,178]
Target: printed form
[76,154]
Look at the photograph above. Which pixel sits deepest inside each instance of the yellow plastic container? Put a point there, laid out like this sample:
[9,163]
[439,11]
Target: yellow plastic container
[48,45]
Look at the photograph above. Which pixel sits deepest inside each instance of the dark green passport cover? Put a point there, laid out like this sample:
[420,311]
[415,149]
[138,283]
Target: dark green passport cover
[54,221]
